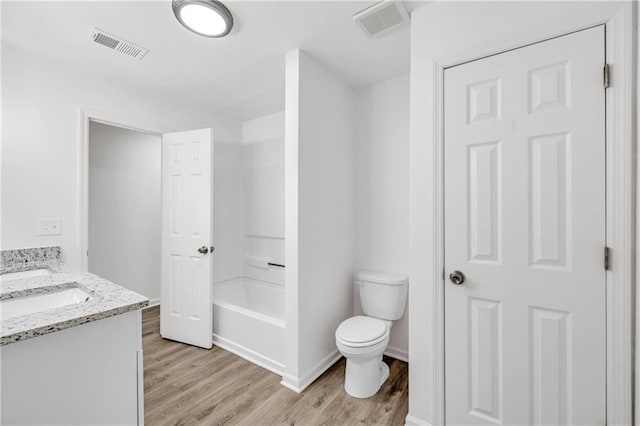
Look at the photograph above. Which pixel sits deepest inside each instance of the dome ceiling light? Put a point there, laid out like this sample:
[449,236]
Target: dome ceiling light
[208,18]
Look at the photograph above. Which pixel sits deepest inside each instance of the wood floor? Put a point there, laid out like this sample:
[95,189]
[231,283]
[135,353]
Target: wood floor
[185,385]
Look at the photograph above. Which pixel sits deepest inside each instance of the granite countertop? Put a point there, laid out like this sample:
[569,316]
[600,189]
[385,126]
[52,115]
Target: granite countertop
[108,299]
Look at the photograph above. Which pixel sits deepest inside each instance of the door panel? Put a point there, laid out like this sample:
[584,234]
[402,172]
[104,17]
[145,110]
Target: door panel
[187,194]
[524,144]
[485,366]
[484,241]
[549,185]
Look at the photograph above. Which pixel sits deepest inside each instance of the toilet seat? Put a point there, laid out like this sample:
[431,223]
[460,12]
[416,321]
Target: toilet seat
[361,331]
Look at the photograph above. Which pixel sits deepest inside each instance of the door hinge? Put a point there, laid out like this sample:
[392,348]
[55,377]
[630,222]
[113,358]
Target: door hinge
[606,76]
[607,256]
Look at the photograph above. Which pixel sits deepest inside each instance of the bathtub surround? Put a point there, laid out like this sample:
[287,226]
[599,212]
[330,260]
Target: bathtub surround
[320,219]
[248,220]
[248,228]
[110,299]
[227,160]
[262,211]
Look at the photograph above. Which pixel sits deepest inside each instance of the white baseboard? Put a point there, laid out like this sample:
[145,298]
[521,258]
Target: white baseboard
[414,421]
[249,355]
[153,302]
[290,382]
[397,353]
[299,384]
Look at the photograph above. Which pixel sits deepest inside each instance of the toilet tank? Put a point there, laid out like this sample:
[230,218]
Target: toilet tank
[383,295]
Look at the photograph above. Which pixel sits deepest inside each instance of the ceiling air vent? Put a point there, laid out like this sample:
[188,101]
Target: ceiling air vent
[382,17]
[117,44]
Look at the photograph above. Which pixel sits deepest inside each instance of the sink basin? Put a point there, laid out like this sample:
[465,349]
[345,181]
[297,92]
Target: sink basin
[25,274]
[18,306]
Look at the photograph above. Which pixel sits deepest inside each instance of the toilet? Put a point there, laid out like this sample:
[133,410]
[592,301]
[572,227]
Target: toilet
[363,339]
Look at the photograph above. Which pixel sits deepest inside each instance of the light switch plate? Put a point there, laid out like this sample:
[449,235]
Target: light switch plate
[50,226]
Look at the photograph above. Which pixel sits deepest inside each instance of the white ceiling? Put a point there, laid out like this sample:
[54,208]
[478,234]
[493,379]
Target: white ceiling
[240,76]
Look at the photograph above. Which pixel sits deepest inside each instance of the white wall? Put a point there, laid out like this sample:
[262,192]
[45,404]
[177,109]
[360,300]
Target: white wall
[382,189]
[40,149]
[262,181]
[320,220]
[124,208]
[440,30]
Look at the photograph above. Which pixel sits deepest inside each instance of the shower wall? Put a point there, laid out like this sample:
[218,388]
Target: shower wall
[248,221]
[227,164]
[262,203]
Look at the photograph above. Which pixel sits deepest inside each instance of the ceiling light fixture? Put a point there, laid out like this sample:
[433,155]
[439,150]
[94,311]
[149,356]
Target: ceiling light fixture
[208,18]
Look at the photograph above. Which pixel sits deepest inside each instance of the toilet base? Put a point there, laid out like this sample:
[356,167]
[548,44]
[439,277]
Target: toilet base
[364,377]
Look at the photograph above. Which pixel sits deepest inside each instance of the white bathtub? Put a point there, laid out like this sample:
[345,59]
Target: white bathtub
[248,320]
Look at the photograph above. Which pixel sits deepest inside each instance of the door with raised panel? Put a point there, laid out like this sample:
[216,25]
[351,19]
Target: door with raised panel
[187,194]
[524,149]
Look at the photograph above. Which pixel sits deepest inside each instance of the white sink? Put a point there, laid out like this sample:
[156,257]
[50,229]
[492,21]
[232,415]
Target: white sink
[25,305]
[25,274]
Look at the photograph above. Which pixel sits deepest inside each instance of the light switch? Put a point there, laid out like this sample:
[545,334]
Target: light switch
[52,226]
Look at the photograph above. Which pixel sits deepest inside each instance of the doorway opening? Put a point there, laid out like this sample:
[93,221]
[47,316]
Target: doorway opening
[124,207]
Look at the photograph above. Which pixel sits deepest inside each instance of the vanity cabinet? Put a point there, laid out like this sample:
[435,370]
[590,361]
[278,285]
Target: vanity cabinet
[89,374]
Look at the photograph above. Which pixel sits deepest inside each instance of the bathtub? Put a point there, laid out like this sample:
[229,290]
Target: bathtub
[248,320]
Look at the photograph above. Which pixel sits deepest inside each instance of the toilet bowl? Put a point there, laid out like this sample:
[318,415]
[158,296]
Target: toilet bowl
[363,339]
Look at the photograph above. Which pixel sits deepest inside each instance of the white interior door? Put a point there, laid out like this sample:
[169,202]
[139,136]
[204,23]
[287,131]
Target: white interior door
[524,204]
[187,194]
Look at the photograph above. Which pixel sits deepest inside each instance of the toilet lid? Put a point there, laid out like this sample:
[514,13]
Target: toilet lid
[361,329]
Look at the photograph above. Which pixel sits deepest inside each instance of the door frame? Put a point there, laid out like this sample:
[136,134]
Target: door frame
[620,206]
[85,117]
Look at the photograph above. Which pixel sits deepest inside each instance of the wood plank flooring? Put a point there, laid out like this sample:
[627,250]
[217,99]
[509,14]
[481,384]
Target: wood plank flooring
[185,385]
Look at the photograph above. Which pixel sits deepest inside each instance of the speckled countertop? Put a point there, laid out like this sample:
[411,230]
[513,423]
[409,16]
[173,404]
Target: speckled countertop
[108,299]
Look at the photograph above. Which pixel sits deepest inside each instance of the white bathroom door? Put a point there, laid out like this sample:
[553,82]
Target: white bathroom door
[187,194]
[524,149]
